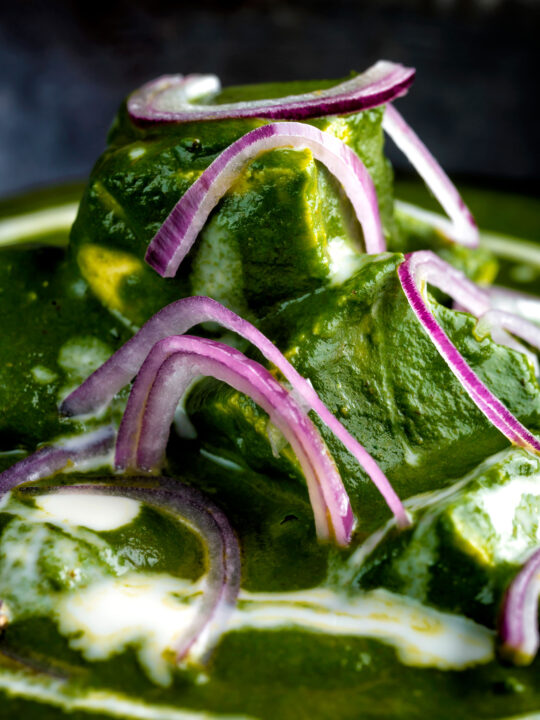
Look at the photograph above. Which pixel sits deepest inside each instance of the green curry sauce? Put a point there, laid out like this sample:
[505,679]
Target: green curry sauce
[402,624]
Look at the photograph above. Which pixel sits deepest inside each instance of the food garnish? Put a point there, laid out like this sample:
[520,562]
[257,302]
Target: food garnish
[170,98]
[174,239]
[415,272]
[222,580]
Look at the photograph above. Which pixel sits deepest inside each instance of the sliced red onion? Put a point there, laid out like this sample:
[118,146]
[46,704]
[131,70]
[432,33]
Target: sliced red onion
[463,228]
[493,322]
[478,301]
[518,626]
[189,357]
[513,301]
[434,219]
[468,297]
[453,282]
[177,318]
[425,267]
[182,89]
[191,507]
[171,98]
[72,452]
[175,237]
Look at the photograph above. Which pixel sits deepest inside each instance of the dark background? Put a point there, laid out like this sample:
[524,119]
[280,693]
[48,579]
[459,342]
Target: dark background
[64,67]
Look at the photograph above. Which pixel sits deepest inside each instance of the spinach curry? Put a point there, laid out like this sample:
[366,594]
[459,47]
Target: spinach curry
[93,590]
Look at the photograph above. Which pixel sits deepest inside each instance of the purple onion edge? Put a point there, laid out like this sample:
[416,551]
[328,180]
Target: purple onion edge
[340,105]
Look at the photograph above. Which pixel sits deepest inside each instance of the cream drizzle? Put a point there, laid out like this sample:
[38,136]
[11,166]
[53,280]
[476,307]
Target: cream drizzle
[150,611]
[96,512]
[42,689]
[153,610]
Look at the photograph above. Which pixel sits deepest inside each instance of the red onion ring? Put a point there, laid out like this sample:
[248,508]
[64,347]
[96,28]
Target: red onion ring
[518,623]
[462,228]
[493,321]
[176,319]
[188,504]
[184,358]
[52,459]
[453,282]
[170,98]
[425,267]
[191,507]
[176,236]
[515,302]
